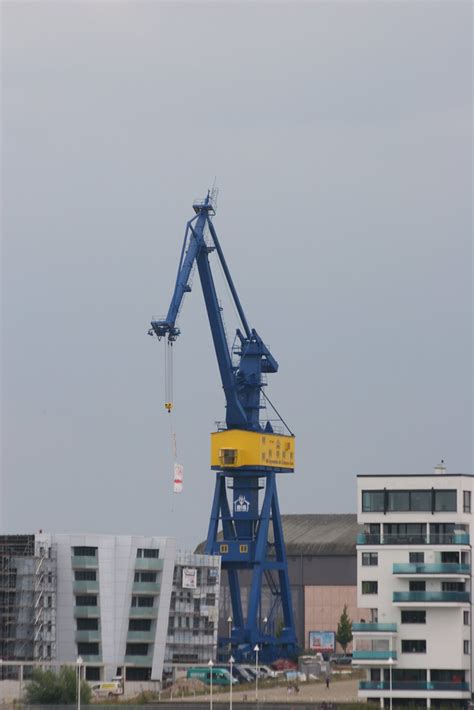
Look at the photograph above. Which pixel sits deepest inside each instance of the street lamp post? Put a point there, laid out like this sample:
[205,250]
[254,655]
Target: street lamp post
[256,649]
[79,663]
[231,663]
[229,621]
[211,665]
[390,664]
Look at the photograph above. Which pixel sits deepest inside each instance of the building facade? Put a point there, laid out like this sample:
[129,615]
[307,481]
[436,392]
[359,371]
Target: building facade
[193,616]
[414,578]
[126,605]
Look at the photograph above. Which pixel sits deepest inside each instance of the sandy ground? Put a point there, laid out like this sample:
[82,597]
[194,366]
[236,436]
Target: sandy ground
[343,690]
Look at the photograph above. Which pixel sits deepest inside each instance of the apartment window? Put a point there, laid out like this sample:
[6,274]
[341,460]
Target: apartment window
[466,499]
[399,500]
[88,649]
[453,587]
[87,624]
[139,625]
[50,577]
[413,646]
[151,552]
[369,587]
[416,557]
[412,616]
[373,501]
[370,559]
[450,557]
[420,501]
[142,601]
[404,533]
[86,600]
[442,533]
[49,601]
[417,586]
[212,575]
[466,646]
[84,551]
[136,649]
[210,599]
[49,627]
[445,501]
[197,605]
[196,622]
[466,618]
[83,575]
[145,577]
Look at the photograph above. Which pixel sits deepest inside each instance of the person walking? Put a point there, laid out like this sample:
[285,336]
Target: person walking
[327,681]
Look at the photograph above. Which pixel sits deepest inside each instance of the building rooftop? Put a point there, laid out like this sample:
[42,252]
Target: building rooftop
[317,534]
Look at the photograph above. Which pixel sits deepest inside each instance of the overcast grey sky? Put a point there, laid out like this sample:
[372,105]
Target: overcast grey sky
[340,136]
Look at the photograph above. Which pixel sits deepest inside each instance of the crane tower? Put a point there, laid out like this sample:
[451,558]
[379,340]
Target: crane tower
[245,526]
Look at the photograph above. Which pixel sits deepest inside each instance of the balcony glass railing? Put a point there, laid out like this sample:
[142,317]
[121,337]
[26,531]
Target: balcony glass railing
[441,568]
[88,636]
[428,597]
[153,564]
[143,612]
[413,685]
[143,636]
[139,660]
[373,655]
[146,587]
[446,539]
[374,628]
[86,612]
[84,562]
[84,586]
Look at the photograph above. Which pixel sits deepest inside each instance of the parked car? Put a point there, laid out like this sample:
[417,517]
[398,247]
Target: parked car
[341,660]
[241,675]
[267,672]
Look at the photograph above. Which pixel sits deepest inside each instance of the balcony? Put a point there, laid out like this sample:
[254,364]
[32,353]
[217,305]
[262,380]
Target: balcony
[445,539]
[84,562]
[378,656]
[149,564]
[85,586]
[86,612]
[89,658]
[141,636]
[87,636]
[431,597]
[139,660]
[374,628]
[446,569]
[413,685]
[146,588]
[143,612]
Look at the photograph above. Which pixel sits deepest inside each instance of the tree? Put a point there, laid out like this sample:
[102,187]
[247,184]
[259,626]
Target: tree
[344,630]
[51,688]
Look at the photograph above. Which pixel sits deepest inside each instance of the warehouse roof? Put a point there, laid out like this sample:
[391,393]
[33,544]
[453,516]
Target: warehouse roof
[318,534]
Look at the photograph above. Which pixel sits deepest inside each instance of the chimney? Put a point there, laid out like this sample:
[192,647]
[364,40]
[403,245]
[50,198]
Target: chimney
[440,468]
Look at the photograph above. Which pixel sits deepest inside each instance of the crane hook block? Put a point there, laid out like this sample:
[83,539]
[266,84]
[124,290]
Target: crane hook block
[168,406]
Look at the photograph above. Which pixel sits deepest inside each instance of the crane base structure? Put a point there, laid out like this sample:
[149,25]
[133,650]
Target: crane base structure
[247,453]
[246,543]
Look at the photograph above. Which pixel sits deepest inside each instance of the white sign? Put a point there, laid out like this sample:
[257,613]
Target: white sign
[189,578]
[178,478]
[241,505]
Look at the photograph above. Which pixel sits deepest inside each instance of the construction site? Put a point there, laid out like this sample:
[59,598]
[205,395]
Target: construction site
[27,602]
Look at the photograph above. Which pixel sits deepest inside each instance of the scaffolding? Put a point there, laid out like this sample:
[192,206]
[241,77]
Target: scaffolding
[27,599]
[193,616]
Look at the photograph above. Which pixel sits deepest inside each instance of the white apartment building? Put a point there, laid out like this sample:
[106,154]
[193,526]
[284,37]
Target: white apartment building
[112,601]
[414,575]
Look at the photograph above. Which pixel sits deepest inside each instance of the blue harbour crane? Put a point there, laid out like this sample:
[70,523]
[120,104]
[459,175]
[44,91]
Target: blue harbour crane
[246,454]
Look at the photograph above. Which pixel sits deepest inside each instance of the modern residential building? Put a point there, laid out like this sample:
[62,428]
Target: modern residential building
[414,577]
